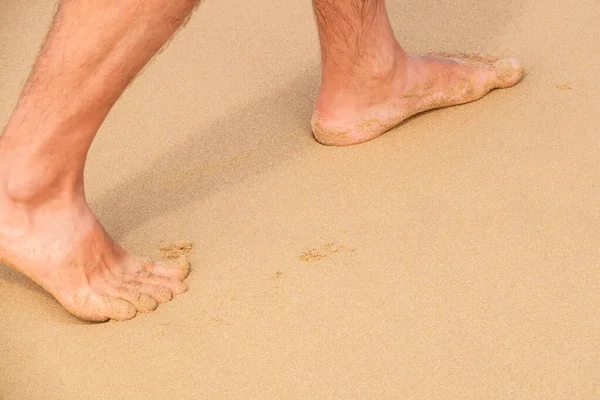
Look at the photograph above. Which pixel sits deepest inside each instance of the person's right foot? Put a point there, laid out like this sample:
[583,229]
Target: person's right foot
[61,246]
[370,104]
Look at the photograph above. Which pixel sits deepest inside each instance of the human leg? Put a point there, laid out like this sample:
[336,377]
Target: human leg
[47,231]
[369,84]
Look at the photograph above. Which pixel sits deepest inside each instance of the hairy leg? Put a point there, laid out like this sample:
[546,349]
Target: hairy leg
[47,231]
[369,84]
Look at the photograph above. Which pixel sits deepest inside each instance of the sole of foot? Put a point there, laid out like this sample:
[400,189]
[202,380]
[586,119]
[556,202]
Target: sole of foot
[420,84]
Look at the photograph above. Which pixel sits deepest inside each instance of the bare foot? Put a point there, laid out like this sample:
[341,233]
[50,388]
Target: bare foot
[415,84]
[61,246]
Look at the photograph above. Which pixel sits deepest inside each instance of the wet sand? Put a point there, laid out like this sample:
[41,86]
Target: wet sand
[455,257]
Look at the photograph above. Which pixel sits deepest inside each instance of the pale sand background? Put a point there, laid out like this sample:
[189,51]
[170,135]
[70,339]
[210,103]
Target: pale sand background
[467,239]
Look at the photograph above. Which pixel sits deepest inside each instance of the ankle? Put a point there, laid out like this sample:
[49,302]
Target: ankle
[36,184]
[32,174]
[375,64]
[366,83]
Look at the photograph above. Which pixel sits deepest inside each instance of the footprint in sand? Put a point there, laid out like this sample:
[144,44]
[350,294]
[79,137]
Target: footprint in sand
[324,251]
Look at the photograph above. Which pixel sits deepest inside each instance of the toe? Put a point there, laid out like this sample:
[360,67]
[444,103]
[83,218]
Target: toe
[146,303]
[175,286]
[118,309]
[509,72]
[160,294]
[88,307]
[141,301]
[178,268]
[99,308]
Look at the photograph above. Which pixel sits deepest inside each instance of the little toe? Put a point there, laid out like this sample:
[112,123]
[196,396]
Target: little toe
[509,72]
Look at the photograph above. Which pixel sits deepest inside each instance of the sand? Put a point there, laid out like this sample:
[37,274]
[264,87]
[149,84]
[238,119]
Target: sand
[454,257]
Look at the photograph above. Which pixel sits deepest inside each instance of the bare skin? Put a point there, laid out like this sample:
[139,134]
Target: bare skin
[95,49]
[369,84]
[47,230]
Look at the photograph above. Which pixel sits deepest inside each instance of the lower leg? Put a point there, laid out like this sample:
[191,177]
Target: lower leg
[91,54]
[357,45]
[369,84]
[47,231]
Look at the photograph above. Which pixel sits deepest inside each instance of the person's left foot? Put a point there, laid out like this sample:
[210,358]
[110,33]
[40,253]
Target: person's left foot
[371,104]
[60,245]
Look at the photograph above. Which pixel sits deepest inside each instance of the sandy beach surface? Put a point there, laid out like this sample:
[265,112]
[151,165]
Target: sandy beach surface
[455,257]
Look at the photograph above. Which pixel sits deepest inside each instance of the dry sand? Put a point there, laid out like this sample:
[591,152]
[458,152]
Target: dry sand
[455,257]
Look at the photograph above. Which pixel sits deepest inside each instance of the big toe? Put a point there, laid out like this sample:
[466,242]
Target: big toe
[509,72]
[98,308]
